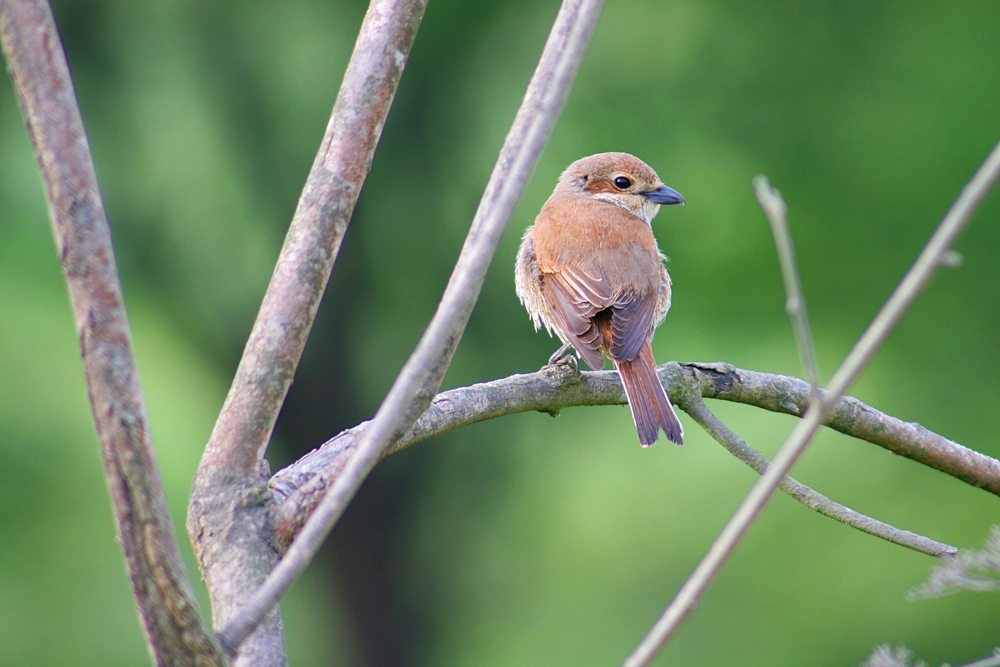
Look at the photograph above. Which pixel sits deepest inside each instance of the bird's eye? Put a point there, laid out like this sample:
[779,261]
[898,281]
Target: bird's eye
[622,183]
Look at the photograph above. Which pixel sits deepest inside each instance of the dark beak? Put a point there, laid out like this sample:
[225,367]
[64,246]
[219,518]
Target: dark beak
[664,195]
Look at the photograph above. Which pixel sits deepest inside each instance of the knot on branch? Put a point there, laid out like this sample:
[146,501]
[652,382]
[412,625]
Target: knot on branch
[303,485]
[712,380]
[561,374]
[688,382]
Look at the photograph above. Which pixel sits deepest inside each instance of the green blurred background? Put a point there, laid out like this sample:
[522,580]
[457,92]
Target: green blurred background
[526,540]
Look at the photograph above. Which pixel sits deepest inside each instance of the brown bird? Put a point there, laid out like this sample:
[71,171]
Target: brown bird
[589,269]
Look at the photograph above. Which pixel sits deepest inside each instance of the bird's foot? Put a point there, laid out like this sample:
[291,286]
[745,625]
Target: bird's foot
[565,356]
[561,355]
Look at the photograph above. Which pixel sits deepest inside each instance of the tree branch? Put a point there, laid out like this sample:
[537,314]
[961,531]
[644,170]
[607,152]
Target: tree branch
[331,191]
[48,101]
[795,302]
[299,487]
[932,256]
[791,396]
[228,515]
[420,378]
[808,497]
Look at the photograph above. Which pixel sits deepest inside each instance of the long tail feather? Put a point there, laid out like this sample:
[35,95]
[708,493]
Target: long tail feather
[651,409]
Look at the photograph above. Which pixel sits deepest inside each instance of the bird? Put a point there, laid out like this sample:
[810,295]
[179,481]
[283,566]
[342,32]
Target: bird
[590,271]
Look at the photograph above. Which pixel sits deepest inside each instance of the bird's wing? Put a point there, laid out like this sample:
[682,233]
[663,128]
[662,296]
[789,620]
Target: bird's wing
[574,297]
[632,321]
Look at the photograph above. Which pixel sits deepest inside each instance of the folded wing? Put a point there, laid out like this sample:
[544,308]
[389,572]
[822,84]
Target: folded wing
[575,297]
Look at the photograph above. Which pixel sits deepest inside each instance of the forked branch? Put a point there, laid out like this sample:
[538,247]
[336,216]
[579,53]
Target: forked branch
[228,514]
[299,486]
[300,276]
[812,499]
[420,378]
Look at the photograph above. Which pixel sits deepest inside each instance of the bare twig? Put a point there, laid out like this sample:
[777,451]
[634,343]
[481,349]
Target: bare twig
[808,497]
[795,302]
[421,376]
[859,356]
[331,191]
[162,591]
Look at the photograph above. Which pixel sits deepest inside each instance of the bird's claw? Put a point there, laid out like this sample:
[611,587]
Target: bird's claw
[565,356]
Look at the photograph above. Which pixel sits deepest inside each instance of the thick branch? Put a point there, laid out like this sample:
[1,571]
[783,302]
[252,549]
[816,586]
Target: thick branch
[162,591]
[331,191]
[556,387]
[228,517]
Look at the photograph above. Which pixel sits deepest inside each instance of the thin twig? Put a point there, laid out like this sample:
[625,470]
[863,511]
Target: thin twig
[795,302]
[286,315]
[807,496]
[859,356]
[161,588]
[421,376]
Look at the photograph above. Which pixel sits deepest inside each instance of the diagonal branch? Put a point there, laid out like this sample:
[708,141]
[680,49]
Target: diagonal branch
[420,378]
[931,257]
[808,497]
[331,191]
[160,586]
[228,511]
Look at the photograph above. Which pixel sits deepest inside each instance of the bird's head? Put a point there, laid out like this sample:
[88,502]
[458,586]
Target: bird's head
[620,179]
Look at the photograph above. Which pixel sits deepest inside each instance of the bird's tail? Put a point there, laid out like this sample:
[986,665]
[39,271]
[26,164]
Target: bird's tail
[650,406]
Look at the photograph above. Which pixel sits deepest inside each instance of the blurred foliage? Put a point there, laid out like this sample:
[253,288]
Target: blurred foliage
[885,655]
[526,540]
[970,569]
